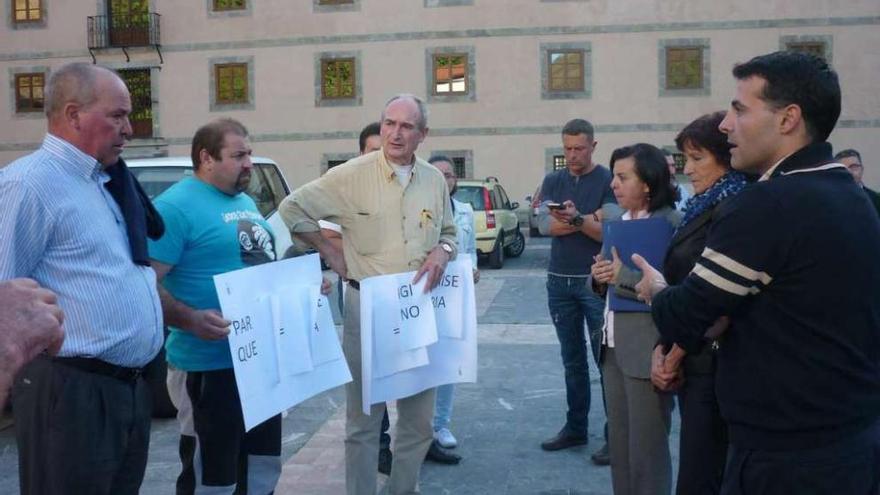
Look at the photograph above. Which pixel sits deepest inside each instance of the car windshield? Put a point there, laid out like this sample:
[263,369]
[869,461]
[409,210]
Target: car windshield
[155,180]
[266,188]
[473,195]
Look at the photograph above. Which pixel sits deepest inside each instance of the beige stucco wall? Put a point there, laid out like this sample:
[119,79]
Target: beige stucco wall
[509,126]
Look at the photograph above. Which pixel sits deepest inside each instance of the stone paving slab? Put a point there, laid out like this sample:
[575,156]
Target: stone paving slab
[499,422]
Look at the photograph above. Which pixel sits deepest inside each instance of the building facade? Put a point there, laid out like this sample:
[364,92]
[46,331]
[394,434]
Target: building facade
[500,76]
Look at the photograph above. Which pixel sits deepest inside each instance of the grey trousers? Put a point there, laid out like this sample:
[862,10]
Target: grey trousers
[414,430]
[638,432]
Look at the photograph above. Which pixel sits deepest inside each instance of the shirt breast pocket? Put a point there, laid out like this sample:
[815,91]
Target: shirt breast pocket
[367,232]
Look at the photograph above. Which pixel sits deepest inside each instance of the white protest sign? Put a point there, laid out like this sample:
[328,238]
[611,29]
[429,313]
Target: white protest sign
[284,348]
[289,305]
[452,358]
[448,301]
[323,339]
[251,330]
[392,351]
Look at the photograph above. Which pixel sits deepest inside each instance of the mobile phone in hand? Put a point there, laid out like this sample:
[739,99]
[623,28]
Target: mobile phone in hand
[555,206]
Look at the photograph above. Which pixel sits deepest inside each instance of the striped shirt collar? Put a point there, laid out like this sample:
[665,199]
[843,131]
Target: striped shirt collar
[74,159]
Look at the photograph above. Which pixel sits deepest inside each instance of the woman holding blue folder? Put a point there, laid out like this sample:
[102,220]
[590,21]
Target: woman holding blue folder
[638,414]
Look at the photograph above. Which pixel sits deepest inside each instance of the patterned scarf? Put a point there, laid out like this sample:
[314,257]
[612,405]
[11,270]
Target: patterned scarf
[730,184]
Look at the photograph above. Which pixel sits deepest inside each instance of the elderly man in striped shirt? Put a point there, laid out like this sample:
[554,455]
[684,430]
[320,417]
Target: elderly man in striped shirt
[76,221]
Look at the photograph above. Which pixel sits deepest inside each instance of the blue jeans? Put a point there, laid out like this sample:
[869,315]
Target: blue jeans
[571,302]
[443,406]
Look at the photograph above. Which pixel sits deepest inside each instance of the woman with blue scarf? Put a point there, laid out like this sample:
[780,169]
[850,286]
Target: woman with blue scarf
[689,366]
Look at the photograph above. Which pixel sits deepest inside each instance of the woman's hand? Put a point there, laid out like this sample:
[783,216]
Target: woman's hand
[604,271]
[666,372]
[600,270]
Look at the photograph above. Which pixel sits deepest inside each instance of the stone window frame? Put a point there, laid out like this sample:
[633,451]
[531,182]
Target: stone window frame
[358,99]
[31,79]
[470,77]
[40,23]
[467,155]
[705,45]
[13,90]
[336,65]
[447,3]
[247,11]
[326,158]
[586,48]
[353,6]
[825,39]
[214,105]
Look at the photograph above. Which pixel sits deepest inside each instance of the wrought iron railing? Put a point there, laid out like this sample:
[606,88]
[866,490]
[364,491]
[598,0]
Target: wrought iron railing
[123,31]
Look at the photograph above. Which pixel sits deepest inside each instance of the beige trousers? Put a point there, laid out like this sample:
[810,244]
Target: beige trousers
[413,433]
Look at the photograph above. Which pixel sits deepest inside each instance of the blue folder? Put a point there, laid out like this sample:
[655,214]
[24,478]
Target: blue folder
[648,237]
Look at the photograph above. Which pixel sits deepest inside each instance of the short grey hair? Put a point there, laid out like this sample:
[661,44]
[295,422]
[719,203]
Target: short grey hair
[73,82]
[420,103]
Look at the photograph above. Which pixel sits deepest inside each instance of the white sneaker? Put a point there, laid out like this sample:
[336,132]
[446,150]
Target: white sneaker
[445,438]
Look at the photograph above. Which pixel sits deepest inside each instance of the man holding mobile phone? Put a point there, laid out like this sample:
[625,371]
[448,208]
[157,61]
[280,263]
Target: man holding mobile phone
[570,216]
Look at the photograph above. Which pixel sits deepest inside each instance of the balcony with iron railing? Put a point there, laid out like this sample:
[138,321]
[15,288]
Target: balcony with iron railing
[124,31]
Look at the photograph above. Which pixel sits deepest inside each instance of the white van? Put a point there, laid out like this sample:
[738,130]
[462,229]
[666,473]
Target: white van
[267,187]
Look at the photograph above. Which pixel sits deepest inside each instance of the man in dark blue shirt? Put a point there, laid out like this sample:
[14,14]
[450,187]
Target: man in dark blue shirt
[792,261]
[572,198]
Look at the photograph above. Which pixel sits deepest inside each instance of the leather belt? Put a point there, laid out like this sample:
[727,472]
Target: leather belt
[92,365]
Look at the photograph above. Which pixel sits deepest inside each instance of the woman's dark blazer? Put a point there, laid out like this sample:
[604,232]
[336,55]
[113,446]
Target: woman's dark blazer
[684,251]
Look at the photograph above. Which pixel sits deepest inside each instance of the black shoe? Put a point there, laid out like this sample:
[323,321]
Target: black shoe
[438,454]
[601,457]
[563,440]
[385,458]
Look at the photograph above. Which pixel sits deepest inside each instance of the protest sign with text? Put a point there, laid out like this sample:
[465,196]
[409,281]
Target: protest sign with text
[283,342]
[443,323]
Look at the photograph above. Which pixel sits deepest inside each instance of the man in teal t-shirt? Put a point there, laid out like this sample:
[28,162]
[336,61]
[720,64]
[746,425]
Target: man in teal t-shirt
[212,227]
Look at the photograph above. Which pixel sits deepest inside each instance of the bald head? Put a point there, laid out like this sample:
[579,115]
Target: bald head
[73,83]
[420,106]
[88,106]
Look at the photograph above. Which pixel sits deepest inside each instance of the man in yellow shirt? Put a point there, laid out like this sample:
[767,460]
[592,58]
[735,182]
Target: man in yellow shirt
[395,216]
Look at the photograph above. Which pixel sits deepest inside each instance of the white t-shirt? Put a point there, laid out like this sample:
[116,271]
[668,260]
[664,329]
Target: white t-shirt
[403,173]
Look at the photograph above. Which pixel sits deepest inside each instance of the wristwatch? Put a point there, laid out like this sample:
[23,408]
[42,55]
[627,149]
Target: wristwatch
[577,221]
[446,247]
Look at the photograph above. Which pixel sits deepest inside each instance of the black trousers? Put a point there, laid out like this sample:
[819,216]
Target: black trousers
[79,432]
[222,457]
[703,440]
[384,437]
[850,466]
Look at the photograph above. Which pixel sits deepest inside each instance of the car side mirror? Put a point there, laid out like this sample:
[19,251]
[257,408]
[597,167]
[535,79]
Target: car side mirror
[514,205]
